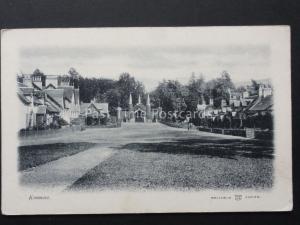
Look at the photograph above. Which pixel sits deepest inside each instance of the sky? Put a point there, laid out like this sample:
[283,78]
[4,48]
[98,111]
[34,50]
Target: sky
[148,54]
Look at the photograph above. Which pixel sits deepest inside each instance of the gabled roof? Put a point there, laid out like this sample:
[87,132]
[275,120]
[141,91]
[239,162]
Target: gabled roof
[68,92]
[262,104]
[50,85]
[85,106]
[37,101]
[23,99]
[52,108]
[21,84]
[54,103]
[102,106]
[57,95]
[37,87]
[26,90]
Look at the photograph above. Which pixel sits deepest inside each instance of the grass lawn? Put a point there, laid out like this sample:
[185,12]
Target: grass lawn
[184,165]
[34,155]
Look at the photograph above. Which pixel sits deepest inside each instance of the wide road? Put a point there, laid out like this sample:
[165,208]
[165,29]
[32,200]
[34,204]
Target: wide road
[152,156]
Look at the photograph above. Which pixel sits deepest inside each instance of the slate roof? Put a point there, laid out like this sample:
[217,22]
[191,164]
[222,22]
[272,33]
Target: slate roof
[57,95]
[85,106]
[102,106]
[68,92]
[52,108]
[37,87]
[21,84]
[37,101]
[26,90]
[23,99]
[262,104]
[50,85]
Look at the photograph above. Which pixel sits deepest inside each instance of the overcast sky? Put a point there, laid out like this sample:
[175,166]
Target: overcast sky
[149,54]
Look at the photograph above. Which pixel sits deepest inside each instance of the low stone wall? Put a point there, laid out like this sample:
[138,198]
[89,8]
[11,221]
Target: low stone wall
[205,129]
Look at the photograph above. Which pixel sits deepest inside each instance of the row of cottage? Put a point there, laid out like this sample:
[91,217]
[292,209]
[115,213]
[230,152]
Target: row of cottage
[52,101]
[251,108]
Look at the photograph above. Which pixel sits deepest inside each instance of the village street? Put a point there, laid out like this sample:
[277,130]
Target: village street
[144,156]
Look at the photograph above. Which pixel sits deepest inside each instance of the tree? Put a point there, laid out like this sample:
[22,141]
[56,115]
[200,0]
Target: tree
[169,94]
[74,77]
[73,73]
[195,88]
[218,88]
[113,97]
[255,85]
[37,72]
[126,85]
[116,93]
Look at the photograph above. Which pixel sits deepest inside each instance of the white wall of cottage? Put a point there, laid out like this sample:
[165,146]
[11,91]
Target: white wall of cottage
[23,114]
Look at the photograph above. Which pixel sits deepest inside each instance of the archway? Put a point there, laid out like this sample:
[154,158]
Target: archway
[139,116]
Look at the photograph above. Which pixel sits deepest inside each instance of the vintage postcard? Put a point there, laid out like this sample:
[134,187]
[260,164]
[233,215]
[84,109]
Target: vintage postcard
[146,120]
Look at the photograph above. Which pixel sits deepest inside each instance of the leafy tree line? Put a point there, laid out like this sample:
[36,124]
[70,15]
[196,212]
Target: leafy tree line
[115,92]
[171,95]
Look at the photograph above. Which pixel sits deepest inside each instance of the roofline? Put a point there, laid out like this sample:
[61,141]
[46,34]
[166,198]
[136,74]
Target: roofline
[52,99]
[19,95]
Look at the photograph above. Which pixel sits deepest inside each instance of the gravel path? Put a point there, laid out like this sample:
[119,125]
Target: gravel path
[59,174]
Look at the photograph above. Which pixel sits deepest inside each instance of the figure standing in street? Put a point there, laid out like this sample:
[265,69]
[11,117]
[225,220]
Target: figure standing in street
[189,119]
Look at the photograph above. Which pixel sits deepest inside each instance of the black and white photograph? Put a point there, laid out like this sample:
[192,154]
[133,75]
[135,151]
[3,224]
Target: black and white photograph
[141,120]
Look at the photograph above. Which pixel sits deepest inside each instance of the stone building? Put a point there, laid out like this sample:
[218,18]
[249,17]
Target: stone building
[139,112]
[45,96]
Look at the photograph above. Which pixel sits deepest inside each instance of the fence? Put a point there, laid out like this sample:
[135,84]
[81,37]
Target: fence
[267,135]
[248,132]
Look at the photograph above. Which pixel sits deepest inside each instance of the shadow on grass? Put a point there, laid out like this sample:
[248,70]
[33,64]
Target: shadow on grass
[226,148]
[35,155]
